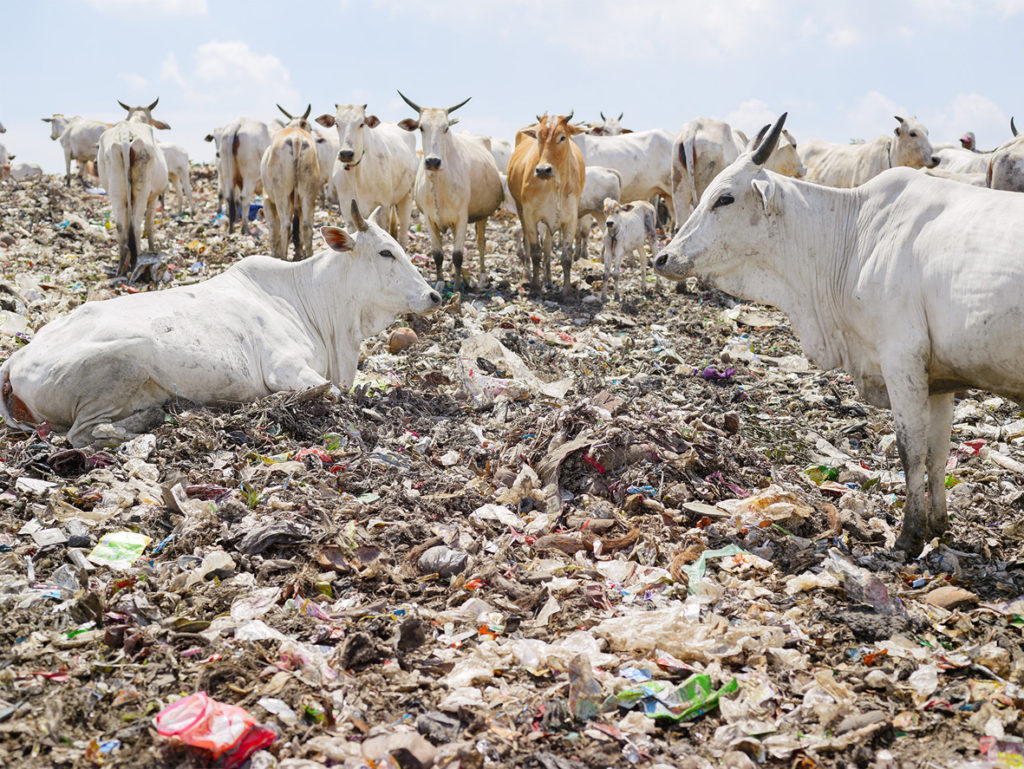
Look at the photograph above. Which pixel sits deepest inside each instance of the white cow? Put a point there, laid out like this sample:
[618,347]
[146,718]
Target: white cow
[326,154]
[502,151]
[609,126]
[261,327]
[23,171]
[291,180]
[909,283]
[973,179]
[627,227]
[600,185]
[133,171]
[5,163]
[178,174]
[1006,171]
[457,184]
[240,147]
[79,138]
[376,166]
[958,160]
[643,160]
[849,165]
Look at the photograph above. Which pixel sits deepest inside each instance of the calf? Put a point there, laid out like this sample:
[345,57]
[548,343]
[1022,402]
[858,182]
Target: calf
[261,327]
[240,148]
[291,179]
[376,166]
[133,171]
[628,226]
[600,184]
[79,138]
[178,174]
[457,184]
[910,283]
[546,177]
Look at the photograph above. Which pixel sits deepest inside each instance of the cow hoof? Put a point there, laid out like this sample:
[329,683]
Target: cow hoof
[910,545]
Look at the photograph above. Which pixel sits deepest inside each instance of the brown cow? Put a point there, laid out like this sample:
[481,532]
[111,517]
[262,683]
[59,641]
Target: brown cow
[545,178]
[290,171]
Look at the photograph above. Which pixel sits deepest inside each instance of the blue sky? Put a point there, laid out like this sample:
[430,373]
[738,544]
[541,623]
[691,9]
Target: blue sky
[841,69]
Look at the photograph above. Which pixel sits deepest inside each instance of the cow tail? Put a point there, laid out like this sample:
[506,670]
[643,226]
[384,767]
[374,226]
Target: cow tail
[232,163]
[133,237]
[297,145]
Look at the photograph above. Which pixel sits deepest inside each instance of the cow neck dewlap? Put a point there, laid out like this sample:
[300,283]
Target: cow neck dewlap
[806,265]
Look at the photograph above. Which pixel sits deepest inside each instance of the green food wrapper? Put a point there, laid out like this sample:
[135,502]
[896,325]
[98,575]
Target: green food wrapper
[119,549]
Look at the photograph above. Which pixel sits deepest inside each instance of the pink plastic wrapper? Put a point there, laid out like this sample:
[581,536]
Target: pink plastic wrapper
[222,729]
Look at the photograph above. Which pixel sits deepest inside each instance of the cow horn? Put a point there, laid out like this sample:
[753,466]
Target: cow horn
[410,102]
[309,108]
[569,116]
[765,148]
[541,119]
[127,108]
[621,114]
[603,117]
[357,217]
[898,118]
[450,110]
[1013,128]
[761,133]
[285,112]
[152,106]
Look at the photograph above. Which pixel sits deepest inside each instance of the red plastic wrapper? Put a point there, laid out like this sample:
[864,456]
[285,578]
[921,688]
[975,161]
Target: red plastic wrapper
[222,729]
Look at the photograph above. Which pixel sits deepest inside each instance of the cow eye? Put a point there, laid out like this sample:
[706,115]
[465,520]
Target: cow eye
[561,138]
[387,254]
[362,124]
[913,134]
[723,200]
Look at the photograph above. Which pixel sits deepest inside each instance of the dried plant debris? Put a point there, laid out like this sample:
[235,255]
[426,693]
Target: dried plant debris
[535,534]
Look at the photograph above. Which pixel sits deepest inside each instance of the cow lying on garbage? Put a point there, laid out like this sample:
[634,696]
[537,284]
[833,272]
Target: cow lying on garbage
[910,283]
[261,327]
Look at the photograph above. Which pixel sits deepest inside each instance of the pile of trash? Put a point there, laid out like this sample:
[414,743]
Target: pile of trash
[534,534]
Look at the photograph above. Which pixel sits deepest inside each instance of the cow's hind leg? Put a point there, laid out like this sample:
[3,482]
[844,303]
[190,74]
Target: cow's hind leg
[481,250]
[403,212]
[908,396]
[150,217]
[940,423]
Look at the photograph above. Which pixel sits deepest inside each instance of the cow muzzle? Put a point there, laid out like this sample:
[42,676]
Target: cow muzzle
[432,162]
[544,172]
[661,261]
[346,156]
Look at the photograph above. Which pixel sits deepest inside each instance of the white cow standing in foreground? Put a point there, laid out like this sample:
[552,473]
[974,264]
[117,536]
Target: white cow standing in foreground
[457,184]
[79,138]
[134,172]
[850,165]
[261,327]
[911,284]
[376,166]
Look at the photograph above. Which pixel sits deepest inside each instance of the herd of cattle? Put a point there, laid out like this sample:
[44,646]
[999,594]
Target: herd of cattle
[893,258]
[558,177]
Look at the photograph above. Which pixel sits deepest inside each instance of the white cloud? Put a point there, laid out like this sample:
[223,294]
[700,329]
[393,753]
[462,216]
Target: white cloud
[970,112]
[160,7]
[750,115]
[134,82]
[843,36]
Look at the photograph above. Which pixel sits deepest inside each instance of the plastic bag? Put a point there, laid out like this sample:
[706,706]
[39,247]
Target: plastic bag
[222,729]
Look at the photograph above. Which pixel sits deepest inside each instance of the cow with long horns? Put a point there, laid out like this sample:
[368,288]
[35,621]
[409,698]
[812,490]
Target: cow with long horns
[1006,169]
[457,184]
[908,282]
[290,171]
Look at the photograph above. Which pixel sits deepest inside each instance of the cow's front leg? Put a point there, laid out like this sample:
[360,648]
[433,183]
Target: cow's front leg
[434,232]
[460,243]
[908,396]
[296,375]
[566,247]
[940,423]
[403,212]
[481,250]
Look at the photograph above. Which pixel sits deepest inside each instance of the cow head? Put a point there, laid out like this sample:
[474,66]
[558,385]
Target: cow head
[57,125]
[434,124]
[301,121]
[388,280]
[352,122]
[145,115]
[552,135]
[726,233]
[911,146]
[785,159]
[609,126]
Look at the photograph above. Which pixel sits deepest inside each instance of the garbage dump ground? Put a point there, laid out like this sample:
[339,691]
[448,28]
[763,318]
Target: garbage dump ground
[546,534]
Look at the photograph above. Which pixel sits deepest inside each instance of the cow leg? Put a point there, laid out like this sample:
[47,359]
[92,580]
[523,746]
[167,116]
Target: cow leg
[188,191]
[434,233]
[459,236]
[67,172]
[607,254]
[270,212]
[291,374]
[548,239]
[566,247]
[533,256]
[940,423]
[403,209]
[306,223]
[481,250]
[652,243]
[243,202]
[908,396]
[150,216]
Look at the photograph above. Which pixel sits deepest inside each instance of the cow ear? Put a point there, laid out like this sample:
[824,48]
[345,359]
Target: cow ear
[408,124]
[160,124]
[208,138]
[627,207]
[337,239]
[372,121]
[897,131]
[627,130]
[452,121]
[572,130]
[327,121]
[531,132]
[766,189]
